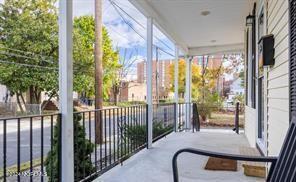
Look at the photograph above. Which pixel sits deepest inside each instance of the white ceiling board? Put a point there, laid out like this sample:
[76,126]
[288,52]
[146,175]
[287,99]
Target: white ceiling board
[213,50]
[183,22]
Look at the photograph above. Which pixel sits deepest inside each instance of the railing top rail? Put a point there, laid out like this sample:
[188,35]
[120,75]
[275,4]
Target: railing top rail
[95,110]
[29,116]
[164,104]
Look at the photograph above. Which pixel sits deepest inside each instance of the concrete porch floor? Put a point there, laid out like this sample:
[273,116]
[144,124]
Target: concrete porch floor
[155,164]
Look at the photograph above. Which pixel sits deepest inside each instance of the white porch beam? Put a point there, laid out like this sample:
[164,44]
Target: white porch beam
[176,84]
[66,88]
[223,49]
[144,7]
[188,91]
[149,79]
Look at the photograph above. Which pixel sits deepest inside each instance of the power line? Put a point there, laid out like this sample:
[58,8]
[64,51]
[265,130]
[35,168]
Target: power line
[126,22]
[25,52]
[115,31]
[37,66]
[114,4]
[29,65]
[139,24]
[159,48]
[22,56]
[137,31]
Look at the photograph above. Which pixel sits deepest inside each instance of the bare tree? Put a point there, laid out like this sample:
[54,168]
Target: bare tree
[127,62]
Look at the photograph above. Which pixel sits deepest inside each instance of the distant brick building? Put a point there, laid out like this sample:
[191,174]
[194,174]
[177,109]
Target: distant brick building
[164,80]
[131,91]
[136,90]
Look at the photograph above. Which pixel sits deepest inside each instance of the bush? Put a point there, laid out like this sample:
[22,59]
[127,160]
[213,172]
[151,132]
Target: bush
[137,134]
[82,150]
[211,102]
[204,110]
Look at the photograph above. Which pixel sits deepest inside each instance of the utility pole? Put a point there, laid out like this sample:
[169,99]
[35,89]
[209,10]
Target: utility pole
[98,51]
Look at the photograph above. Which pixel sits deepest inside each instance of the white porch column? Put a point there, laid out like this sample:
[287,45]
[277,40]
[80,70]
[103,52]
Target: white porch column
[66,88]
[188,93]
[149,79]
[176,84]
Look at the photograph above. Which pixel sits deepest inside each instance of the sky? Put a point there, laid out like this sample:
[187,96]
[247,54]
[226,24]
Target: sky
[129,39]
[122,34]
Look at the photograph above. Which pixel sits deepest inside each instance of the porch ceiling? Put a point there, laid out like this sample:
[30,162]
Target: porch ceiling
[183,22]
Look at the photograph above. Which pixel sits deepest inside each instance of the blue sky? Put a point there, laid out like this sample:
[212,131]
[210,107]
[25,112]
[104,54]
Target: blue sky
[123,35]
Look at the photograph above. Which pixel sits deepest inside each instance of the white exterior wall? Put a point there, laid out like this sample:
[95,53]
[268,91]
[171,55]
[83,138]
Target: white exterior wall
[276,81]
[278,76]
[250,125]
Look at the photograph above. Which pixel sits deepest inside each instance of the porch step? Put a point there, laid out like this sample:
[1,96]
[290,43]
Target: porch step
[255,169]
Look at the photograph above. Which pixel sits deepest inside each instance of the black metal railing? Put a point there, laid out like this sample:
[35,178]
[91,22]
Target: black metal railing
[222,117]
[102,138]
[163,120]
[214,116]
[112,135]
[25,144]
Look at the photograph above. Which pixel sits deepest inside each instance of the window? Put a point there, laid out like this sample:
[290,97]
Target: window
[261,79]
[246,66]
[251,62]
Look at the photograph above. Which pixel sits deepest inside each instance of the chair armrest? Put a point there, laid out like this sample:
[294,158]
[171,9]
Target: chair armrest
[219,155]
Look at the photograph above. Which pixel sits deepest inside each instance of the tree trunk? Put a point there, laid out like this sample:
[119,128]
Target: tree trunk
[116,99]
[38,98]
[31,90]
[22,97]
[19,102]
[37,94]
[115,93]
[98,70]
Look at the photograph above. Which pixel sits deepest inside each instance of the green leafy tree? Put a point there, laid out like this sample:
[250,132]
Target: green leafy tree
[82,149]
[84,39]
[196,78]
[28,47]
[29,51]
[204,80]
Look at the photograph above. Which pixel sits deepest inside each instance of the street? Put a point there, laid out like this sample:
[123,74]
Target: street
[110,135]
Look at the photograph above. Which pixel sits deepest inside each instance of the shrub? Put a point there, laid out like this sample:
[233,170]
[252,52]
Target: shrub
[137,134]
[204,110]
[82,150]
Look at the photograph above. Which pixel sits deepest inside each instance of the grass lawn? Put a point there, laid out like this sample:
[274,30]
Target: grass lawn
[221,119]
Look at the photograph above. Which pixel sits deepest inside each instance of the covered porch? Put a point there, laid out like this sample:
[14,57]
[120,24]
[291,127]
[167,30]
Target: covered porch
[196,28]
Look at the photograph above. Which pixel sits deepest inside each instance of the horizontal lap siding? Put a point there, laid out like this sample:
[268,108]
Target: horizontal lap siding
[278,76]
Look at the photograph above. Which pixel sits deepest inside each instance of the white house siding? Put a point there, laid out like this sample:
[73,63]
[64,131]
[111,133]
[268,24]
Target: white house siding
[278,76]
[250,125]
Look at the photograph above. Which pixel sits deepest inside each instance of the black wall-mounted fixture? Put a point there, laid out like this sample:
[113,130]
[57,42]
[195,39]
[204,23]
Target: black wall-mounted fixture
[266,51]
[250,20]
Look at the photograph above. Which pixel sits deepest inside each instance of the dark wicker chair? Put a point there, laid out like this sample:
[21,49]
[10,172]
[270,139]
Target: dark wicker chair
[282,169]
